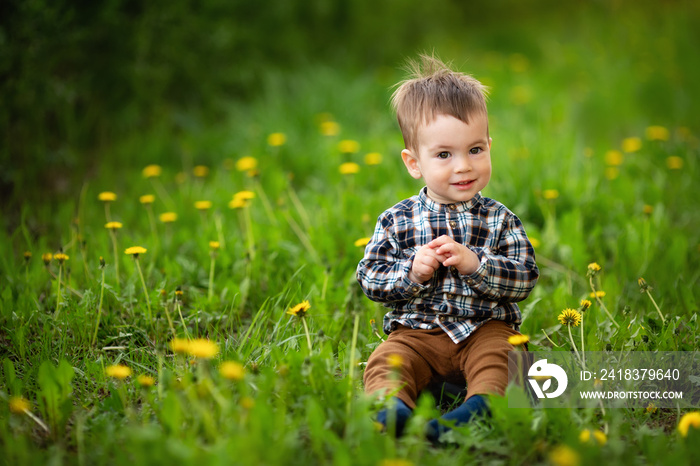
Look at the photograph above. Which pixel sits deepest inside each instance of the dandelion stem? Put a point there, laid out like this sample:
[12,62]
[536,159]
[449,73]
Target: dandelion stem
[39,422]
[210,294]
[583,355]
[58,294]
[249,232]
[306,330]
[219,230]
[351,365]
[600,302]
[653,301]
[182,319]
[170,320]
[99,308]
[266,203]
[113,235]
[573,345]
[145,290]
[302,237]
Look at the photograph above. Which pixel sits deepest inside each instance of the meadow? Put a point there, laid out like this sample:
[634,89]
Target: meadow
[193,299]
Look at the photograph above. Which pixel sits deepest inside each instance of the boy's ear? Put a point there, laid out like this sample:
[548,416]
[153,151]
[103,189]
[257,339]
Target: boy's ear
[411,162]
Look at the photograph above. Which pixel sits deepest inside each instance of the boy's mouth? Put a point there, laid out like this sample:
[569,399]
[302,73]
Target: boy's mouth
[466,184]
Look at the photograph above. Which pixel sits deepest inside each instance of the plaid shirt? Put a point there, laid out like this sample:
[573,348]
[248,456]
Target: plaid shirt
[456,303]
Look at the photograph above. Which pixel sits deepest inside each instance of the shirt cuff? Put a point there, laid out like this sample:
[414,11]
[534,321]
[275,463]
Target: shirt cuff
[412,288]
[477,277]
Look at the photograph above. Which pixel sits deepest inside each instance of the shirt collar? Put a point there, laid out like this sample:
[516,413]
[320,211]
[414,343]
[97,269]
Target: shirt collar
[456,207]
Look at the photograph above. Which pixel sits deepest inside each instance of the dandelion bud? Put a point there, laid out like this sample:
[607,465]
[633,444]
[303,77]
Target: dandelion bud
[593,269]
[102,262]
[643,285]
[46,257]
[27,256]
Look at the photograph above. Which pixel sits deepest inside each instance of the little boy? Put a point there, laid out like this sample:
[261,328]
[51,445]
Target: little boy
[449,263]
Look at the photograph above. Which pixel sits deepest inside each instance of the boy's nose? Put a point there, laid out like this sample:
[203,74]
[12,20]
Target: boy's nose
[463,164]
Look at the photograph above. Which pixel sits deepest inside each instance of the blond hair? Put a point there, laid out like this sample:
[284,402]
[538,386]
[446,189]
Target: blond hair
[432,89]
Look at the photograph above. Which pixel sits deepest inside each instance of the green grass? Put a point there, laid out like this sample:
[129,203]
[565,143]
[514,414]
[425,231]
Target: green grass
[556,109]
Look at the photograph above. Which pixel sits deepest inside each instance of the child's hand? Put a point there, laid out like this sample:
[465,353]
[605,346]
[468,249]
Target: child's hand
[455,254]
[425,263]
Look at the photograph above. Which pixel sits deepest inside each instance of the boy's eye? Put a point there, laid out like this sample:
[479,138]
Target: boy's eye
[443,155]
[475,150]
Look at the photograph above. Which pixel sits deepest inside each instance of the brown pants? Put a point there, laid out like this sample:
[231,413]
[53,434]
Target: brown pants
[482,359]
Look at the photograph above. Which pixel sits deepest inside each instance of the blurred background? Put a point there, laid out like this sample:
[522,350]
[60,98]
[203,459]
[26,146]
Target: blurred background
[94,87]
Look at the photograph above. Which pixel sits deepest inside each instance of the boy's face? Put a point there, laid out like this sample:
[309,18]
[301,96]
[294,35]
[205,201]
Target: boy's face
[453,157]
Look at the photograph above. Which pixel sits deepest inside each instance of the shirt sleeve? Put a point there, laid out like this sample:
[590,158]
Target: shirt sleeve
[383,272]
[510,273]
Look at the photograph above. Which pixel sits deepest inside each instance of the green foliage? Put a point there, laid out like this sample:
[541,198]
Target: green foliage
[111,87]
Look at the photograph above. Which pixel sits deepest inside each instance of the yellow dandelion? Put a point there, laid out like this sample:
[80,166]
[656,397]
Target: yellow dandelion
[674,162]
[348,146]
[570,317]
[246,163]
[594,267]
[107,196]
[349,168]
[168,217]
[200,171]
[27,255]
[300,309]
[180,178]
[689,420]
[395,361]
[19,405]
[214,245]
[237,203]
[147,199]
[585,304]
[232,370]
[329,128]
[46,257]
[362,242]
[550,194]
[179,345]
[614,158]
[657,133]
[118,371]
[146,380]
[152,171]
[61,258]
[631,144]
[373,158]
[517,340]
[113,225]
[648,209]
[597,294]
[202,348]
[277,139]
[245,195]
[535,243]
[202,205]
[135,251]
[651,408]
[394,461]
[564,456]
[598,436]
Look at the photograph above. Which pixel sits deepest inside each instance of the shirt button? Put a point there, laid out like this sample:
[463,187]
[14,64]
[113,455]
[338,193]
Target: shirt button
[453,224]
[450,296]
[415,289]
[452,207]
[453,270]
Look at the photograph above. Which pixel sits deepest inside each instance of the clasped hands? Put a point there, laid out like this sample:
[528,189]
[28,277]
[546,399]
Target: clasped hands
[442,251]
